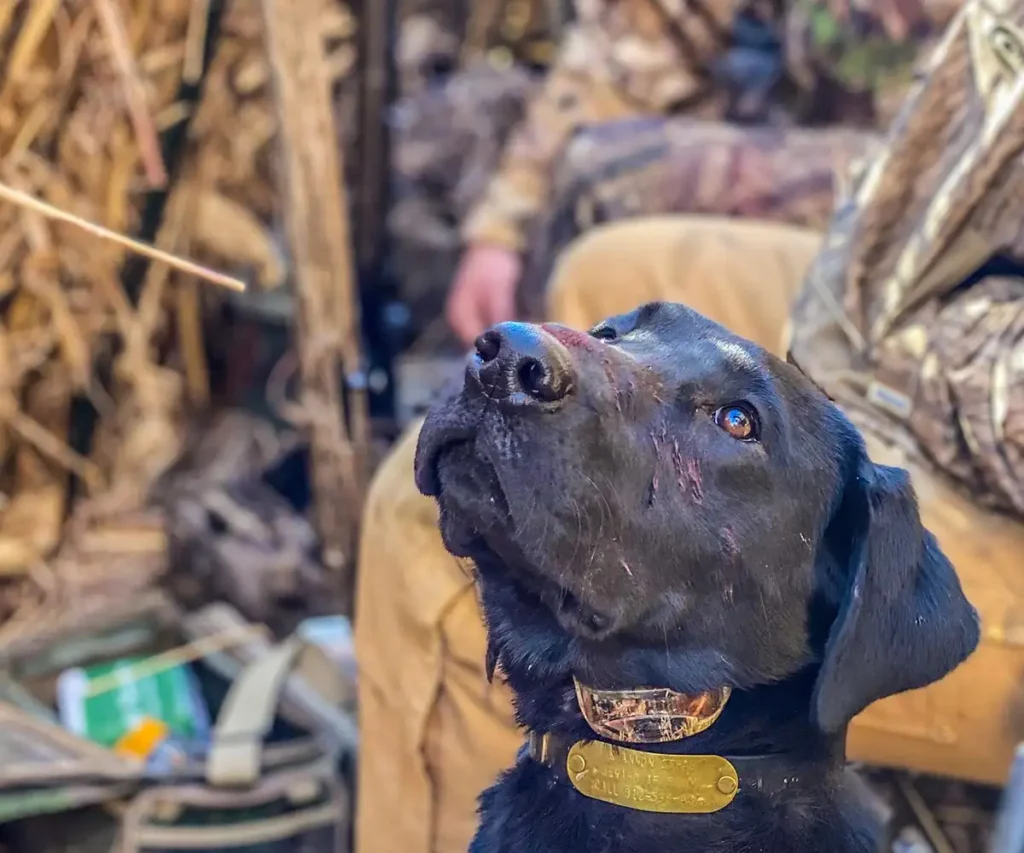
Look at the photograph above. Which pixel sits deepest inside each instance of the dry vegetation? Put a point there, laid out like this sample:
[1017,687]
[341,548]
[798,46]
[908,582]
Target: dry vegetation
[86,89]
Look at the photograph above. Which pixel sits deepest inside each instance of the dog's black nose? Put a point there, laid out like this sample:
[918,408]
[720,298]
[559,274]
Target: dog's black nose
[523,362]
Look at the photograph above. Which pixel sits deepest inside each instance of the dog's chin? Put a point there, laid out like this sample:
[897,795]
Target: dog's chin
[472,506]
[500,562]
[476,524]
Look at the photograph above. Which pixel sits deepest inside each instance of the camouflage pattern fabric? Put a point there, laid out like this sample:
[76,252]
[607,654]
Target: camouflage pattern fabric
[653,166]
[864,51]
[620,60]
[913,315]
[427,45]
[610,171]
[617,61]
[463,80]
[815,61]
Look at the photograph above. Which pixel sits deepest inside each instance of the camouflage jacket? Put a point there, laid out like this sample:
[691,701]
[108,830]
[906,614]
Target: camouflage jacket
[912,316]
[653,166]
[817,62]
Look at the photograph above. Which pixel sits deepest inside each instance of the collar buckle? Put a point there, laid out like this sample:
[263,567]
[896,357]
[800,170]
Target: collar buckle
[539,747]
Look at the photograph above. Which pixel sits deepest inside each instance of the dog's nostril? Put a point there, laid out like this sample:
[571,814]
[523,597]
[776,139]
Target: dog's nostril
[488,345]
[535,380]
[521,364]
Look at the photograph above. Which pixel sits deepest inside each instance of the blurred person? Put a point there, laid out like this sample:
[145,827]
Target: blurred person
[751,63]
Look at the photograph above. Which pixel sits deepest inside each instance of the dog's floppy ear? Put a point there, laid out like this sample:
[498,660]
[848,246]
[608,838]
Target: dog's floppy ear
[904,621]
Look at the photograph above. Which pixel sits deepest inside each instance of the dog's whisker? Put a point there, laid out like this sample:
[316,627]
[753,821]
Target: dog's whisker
[579,534]
[544,529]
[528,516]
[604,505]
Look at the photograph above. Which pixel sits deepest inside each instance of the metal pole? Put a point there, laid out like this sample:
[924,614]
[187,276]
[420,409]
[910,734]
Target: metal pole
[383,317]
[372,191]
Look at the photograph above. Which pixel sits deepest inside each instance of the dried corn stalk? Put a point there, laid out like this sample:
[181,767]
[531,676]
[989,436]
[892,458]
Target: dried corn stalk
[86,87]
[82,83]
[234,135]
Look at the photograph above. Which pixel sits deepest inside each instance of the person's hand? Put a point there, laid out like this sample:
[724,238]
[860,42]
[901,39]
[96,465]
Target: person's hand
[484,291]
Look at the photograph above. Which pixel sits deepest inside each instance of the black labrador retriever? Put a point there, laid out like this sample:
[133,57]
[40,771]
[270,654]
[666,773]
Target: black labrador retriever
[693,579]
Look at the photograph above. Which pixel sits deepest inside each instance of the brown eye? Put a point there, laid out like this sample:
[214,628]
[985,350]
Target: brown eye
[738,420]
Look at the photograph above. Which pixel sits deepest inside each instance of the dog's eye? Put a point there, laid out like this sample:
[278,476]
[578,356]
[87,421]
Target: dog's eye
[604,333]
[738,420]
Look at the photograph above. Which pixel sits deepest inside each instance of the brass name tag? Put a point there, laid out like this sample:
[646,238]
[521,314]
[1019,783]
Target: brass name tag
[670,784]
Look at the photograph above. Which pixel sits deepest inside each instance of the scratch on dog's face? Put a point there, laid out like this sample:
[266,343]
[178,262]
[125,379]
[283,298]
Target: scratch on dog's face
[672,492]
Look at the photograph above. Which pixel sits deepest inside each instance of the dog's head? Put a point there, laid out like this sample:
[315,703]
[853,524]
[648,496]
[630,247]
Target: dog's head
[662,488]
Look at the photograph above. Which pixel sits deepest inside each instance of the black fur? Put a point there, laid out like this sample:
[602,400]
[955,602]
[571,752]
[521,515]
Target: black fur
[622,536]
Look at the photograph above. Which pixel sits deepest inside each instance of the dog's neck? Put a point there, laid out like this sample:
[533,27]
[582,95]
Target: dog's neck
[789,780]
[542,665]
[770,723]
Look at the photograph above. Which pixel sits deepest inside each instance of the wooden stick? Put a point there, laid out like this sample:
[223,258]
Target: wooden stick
[193,651]
[195,41]
[44,441]
[929,825]
[25,200]
[327,312]
[134,93]
[31,33]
